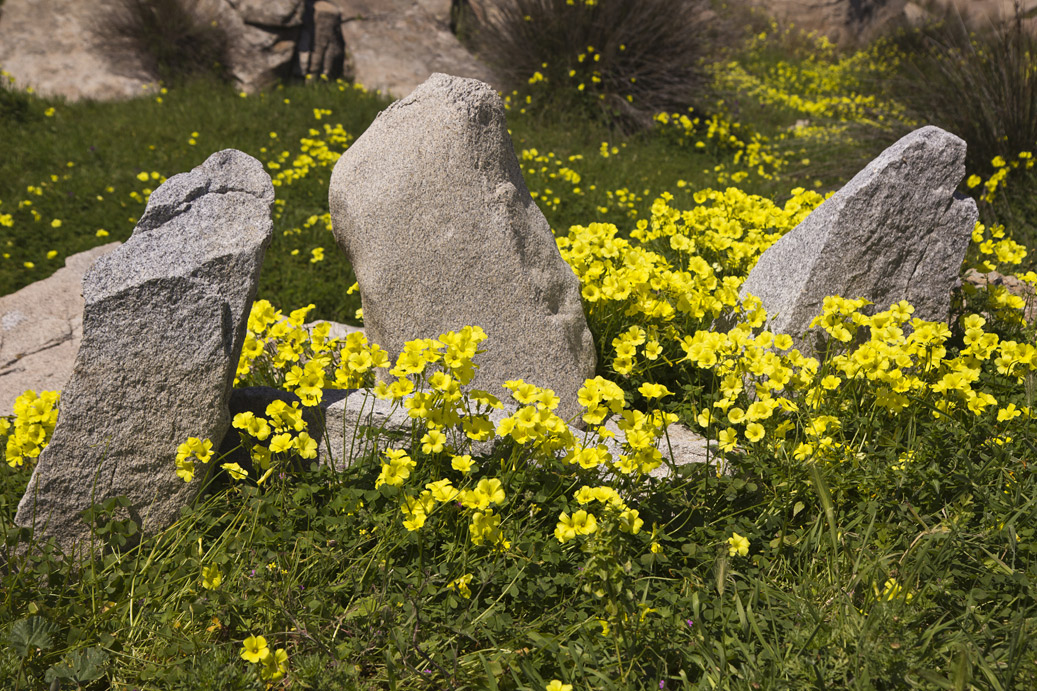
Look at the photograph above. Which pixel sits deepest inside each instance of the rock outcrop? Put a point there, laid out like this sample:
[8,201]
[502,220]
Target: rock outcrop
[896,231]
[163,324]
[396,44]
[58,47]
[49,45]
[430,206]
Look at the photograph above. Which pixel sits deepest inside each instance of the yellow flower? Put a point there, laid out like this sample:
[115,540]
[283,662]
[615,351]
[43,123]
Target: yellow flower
[235,471]
[184,469]
[556,685]
[727,439]
[629,522]
[281,443]
[737,545]
[305,445]
[442,490]
[492,489]
[460,584]
[274,665]
[211,577]
[433,441]
[254,649]
[198,448]
[754,432]
[462,463]
[654,390]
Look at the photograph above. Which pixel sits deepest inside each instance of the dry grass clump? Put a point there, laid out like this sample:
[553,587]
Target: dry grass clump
[622,59]
[979,82]
[177,39]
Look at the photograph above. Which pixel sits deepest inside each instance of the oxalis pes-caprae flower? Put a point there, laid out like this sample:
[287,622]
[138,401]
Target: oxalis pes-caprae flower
[438,474]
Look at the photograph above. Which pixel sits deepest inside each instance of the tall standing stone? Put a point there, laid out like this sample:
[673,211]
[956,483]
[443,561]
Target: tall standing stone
[431,208]
[896,231]
[163,324]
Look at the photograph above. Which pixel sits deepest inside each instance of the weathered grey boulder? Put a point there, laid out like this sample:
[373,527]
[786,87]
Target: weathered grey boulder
[896,231]
[280,13]
[41,326]
[163,325]
[431,208]
[976,14]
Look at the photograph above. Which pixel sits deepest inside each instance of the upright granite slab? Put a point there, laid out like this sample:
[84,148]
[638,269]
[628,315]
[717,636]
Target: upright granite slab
[431,208]
[163,324]
[896,231]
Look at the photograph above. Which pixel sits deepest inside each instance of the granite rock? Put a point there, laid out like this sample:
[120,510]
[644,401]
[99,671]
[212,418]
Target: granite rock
[163,324]
[896,231]
[430,206]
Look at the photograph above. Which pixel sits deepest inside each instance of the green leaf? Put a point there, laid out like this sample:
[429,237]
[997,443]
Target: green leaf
[82,666]
[34,633]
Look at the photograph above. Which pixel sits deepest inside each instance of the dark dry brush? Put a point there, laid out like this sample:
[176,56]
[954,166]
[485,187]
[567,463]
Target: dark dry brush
[175,39]
[639,57]
[976,81]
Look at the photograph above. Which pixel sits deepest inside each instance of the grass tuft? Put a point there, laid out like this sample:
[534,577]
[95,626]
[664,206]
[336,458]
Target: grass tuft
[621,60]
[977,83]
[177,39]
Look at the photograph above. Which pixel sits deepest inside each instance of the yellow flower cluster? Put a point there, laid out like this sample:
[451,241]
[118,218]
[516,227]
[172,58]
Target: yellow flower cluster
[582,522]
[191,451]
[431,384]
[309,360]
[284,431]
[900,362]
[31,429]
[817,81]
[1002,169]
[550,170]
[716,134]
[679,270]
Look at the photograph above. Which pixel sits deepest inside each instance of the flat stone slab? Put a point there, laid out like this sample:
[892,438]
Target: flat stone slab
[41,326]
[353,421]
[164,320]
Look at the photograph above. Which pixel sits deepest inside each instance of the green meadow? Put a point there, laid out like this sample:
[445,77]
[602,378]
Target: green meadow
[867,519]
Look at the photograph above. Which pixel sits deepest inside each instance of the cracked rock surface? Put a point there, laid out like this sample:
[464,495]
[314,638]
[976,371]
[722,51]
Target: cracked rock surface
[41,326]
[163,324]
[896,231]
